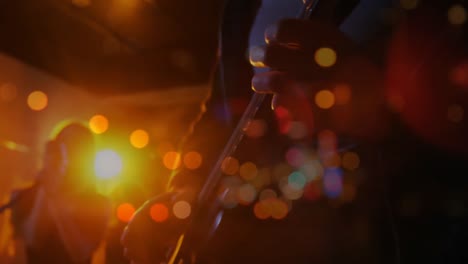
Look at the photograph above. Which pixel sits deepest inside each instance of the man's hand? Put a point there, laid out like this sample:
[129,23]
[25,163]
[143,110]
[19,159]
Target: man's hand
[318,77]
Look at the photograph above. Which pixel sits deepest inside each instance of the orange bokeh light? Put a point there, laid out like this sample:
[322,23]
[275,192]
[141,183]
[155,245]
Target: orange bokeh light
[325,57]
[172,160]
[193,160]
[325,99]
[98,124]
[139,138]
[125,212]
[37,100]
[159,212]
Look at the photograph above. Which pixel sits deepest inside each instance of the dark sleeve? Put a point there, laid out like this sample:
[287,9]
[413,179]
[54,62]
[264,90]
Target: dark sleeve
[21,208]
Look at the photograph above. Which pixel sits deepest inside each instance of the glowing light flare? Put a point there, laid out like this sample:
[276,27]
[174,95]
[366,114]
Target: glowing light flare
[246,194]
[182,209]
[125,212]
[172,160]
[8,92]
[262,210]
[457,15]
[98,124]
[342,93]
[455,113]
[279,209]
[139,138]
[325,99]
[291,192]
[193,160]
[325,57]
[159,212]
[37,100]
[248,171]
[350,161]
[230,166]
[107,164]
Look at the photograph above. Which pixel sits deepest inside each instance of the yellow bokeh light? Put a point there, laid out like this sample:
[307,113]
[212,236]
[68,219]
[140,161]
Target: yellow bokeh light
[98,124]
[125,212]
[139,138]
[37,100]
[230,166]
[325,57]
[325,99]
[457,15]
[182,209]
[248,171]
[172,160]
[193,160]
[107,164]
[350,161]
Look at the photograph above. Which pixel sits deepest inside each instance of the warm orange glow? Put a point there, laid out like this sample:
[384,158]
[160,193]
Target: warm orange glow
[262,209]
[246,194]
[325,99]
[164,147]
[248,171]
[139,138]
[455,113]
[279,209]
[182,209]
[172,160]
[159,213]
[98,124]
[325,57]
[8,92]
[457,15]
[230,166]
[193,160]
[342,94]
[37,100]
[125,212]
[350,161]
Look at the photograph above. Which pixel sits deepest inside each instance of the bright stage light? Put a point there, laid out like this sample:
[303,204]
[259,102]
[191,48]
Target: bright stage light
[107,164]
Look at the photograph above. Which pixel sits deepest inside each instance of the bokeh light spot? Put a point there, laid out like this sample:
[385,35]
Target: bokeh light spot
[262,210]
[350,161]
[333,182]
[172,160]
[107,164]
[295,157]
[325,99]
[279,209]
[139,138]
[298,130]
[159,213]
[98,124]
[248,171]
[37,100]
[457,15]
[193,160]
[246,194]
[267,194]
[230,166]
[182,209]
[325,57]
[455,113]
[125,212]
[296,180]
